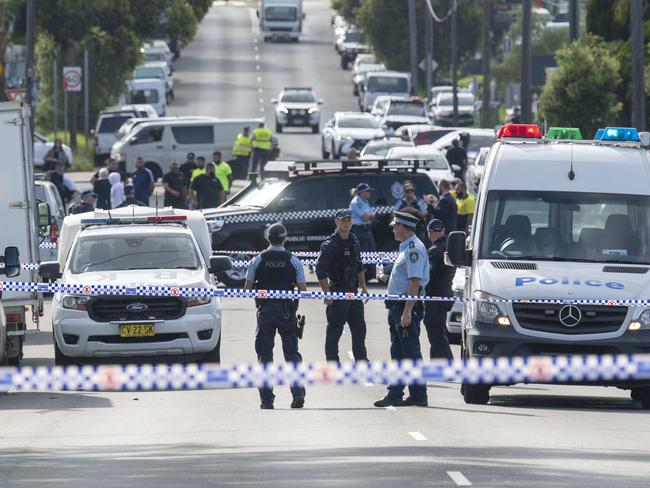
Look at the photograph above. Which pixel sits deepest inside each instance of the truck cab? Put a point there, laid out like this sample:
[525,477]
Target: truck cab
[281,19]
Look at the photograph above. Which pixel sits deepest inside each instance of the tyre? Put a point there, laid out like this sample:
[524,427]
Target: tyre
[344,62]
[235,277]
[278,128]
[476,394]
[60,359]
[315,129]
[641,395]
[333,153]
[154,168]
[213,356]
[324,153]
[355,90]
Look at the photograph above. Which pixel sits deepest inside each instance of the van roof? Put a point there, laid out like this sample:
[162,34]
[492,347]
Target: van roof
[397,74]
[198,120]
[545,167]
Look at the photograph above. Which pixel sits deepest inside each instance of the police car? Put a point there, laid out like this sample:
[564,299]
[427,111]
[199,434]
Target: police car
[297,107]
[553,224]
[305,196]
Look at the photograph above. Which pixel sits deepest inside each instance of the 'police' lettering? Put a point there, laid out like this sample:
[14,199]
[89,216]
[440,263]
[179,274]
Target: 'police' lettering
[548,281]
[523,280]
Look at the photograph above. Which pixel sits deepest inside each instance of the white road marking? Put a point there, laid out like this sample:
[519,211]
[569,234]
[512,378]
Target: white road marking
[459,478]
[261,100]
[256,48]
[418,436]
[260,90]
[257,67]
[259,79]
[255,28]
[368,384]
[391,408]
[350,355]
[257,57]
[261,109]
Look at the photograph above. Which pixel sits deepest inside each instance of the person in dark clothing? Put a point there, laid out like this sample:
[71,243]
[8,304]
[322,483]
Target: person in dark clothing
[143,181]
[445,208]
[175,186]
[112,167]
[456,155]
[102,188]
[87,203]
[188,167]
[339,268]
[207,191]
[441,277]
[129,198]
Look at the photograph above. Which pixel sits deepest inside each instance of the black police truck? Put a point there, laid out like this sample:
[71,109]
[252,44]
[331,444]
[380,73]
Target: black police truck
[305,196]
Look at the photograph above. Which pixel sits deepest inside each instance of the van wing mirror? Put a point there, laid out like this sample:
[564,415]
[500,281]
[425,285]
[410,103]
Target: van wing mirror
[220,264]
[457,254]
[44,214]
[11,261]
[49,270]
[287,203]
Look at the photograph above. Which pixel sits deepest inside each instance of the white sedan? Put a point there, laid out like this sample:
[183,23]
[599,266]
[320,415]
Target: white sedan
[42,145]
[430,159]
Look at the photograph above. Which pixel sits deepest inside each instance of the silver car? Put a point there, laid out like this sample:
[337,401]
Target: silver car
[297,107]
[348,130]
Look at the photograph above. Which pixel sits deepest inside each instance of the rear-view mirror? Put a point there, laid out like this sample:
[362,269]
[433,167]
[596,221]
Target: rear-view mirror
[220,264]
[11,261]
[456,254]
[44,214]
[49,270]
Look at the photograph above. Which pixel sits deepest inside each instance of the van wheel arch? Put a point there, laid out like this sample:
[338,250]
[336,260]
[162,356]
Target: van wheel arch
[154,168]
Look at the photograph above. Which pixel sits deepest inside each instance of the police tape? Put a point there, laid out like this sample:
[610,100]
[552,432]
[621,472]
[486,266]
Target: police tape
[184,291]
[315,254]
[47,245]
[501,370]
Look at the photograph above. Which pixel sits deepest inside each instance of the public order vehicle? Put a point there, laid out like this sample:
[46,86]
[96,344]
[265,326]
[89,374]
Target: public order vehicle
[281,19]
[297,107]
[552,223]
[135,246]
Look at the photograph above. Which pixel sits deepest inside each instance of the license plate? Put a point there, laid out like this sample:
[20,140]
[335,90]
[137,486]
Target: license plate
[137,330]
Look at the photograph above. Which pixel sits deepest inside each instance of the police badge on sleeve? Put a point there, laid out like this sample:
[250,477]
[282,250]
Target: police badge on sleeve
[414,256]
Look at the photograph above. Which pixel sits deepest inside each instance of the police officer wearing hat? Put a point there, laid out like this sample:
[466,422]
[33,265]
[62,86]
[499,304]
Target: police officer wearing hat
[362,216]
[339,269]
[129,198]
[87,203]
[276,269]
[441,277]
[409,276]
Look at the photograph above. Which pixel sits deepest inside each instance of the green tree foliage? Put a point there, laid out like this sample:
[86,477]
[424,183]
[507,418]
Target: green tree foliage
[579,92]
[200,8]
[347,8]
[609,19]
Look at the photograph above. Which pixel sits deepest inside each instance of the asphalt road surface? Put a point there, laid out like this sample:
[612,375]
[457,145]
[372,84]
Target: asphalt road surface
[533,436]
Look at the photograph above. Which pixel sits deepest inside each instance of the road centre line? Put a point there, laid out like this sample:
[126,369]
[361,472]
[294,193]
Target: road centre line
[368,384]
[418,436]
[459,478]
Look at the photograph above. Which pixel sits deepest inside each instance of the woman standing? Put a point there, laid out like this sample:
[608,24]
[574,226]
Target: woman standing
[56,162]
[362,216]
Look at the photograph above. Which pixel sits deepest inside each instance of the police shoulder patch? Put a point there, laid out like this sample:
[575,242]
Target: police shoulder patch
[411,244]
[414,256]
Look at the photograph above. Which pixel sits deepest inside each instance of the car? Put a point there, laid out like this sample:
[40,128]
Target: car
[109,121]
[46,192]
[397,111]
[135,245]
[478,138]
[432,160]
[346,130]
[422,134]
[349,45]
[297,107]
[157,69]
[42,145]
[377,149]
[475,170]
[380,103]
[151,91]
[443,106]
[454,322]
[157,50]
[378,83]
[305,196]
[362,64]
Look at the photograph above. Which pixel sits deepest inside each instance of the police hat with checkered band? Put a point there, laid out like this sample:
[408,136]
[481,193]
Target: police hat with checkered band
[406,219]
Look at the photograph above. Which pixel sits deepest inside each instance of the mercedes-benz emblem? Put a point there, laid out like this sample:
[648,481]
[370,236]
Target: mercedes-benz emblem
[137,307]
[570,316]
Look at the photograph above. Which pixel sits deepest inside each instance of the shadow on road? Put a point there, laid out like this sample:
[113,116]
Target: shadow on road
[44,402]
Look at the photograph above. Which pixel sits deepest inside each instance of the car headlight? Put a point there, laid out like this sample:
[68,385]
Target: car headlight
[196,301]
[642,322]
[75,302]
[215,225]
[312,110]
[284,110]
[488,312]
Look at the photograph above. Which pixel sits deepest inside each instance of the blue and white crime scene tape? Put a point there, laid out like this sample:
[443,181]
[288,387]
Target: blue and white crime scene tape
[559,369]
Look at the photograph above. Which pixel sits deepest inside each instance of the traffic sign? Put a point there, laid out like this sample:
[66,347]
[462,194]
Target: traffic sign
[423,65]
[16,94]
[72,78]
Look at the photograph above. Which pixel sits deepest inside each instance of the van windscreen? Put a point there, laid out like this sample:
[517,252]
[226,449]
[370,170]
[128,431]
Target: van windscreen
[283,14]
[388,84]
[143,96]
[112,124]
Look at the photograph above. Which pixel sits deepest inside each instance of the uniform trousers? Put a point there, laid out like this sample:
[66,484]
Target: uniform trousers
[240,167]
[435,320]
[366,244]
[338,313]
[258,160]
[272,317]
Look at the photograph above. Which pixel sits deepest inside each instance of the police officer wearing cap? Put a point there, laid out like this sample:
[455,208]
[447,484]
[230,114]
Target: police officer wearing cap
[362,216]
[276,269]
[129,198]
[441,277]
[339,269]
[409,276]
[87,203]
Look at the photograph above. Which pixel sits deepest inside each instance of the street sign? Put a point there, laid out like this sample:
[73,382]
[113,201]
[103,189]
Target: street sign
[16,94]
[72,78]
[423,65]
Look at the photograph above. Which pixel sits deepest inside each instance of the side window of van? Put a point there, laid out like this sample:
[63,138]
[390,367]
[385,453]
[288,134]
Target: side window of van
[194,134]
[149,134]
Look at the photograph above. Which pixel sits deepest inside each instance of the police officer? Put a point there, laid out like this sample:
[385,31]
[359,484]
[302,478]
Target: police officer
[409,276]
[262,147]
[241,151]
[339,269]
[276,269]
[87,203]
[362,216]
[441,277]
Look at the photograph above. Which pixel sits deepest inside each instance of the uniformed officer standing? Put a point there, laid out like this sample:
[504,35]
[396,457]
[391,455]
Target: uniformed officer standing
[362,216]
[339,269]
[276,269]
[441,277]
[409,276]
[87,203]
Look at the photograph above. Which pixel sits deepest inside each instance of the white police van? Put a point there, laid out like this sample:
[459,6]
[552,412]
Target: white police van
[556,219]
[135,246]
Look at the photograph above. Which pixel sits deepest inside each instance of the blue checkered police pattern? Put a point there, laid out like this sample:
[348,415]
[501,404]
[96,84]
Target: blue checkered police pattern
[289,216]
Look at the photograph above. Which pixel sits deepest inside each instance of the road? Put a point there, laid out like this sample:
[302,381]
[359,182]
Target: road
[534,436]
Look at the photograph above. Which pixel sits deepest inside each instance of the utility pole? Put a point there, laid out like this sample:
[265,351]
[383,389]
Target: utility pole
[413,45]
[454,61]
[526,117]
[486,55]
[428,59]
[574,20]
[638,83]
[29,65]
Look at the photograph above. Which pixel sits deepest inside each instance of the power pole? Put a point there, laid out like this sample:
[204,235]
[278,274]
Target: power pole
[573,20]
[486,55]
[454,61]
[413,44]
[638,82]
[525,63]
[29,65]
[428,45]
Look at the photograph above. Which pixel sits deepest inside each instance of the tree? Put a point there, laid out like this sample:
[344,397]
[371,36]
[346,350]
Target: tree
[347,8]
[579,92]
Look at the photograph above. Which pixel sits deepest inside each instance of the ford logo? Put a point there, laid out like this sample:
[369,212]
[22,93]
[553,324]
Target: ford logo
[137,307]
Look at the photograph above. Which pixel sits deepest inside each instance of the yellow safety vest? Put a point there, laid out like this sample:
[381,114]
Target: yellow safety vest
[262,139]
[197,172]
[242,146]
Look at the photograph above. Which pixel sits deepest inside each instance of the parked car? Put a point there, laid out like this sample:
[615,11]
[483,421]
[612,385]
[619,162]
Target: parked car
[152,91]
[399,111]
[377,149]
[475,170]
[157,69]
[46,191]
[349,45]
[157,50]
[377,83]
[430,159]
[478,138]
[42,145]
[442,109]
[346,130]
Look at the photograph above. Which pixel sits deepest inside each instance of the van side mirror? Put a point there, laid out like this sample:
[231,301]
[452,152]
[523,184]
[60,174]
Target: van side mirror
[11,261]
[133,140]
[49,270]
[44,214]
[287,204]
[257,13]
[219,264]
[274,101]
[456,254]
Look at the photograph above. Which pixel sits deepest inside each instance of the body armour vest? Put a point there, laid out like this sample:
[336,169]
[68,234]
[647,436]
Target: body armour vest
[275,272]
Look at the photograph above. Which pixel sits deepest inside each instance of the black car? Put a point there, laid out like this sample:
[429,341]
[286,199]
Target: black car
[305,197]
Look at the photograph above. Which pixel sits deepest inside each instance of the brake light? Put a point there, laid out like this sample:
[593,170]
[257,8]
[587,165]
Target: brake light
[168,218]
[520,131]
[14,318]
[54,232]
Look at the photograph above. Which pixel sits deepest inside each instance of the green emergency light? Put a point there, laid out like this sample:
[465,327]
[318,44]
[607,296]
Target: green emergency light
[564,133]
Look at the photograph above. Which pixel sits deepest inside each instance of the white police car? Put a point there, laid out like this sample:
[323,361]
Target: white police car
[554,223]
[297,107]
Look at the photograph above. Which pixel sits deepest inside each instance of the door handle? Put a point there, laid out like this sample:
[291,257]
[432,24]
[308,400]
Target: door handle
[173,146]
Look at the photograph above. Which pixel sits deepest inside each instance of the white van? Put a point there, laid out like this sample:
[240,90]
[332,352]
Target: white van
[157,69]
[556,221]
[162,140]
[148,90]
[109,122]
[378,83]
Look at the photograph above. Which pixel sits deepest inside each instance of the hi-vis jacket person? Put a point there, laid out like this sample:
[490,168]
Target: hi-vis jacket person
[262,142]
[241,151]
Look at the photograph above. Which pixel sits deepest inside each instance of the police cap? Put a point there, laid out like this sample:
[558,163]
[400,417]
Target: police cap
[129,189]
[190,156]
[89,193]
[361,187]
[276,231]
[436,225]
[406,219]
[343,214]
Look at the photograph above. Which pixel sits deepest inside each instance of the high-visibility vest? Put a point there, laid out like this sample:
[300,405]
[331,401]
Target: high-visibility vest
[242,146]
[262,138]
[197,172]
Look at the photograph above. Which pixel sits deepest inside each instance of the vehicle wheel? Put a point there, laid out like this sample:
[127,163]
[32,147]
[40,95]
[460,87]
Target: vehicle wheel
[213,356]
[476,394]
[638,394]
[355,90]
[315,129]
[278,128]
[154,168]
[324,153]
[333,153]
[235,277]
[60,359]
[344,62]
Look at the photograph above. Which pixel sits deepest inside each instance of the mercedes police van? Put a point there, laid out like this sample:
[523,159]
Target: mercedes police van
[562,220]
[135,246]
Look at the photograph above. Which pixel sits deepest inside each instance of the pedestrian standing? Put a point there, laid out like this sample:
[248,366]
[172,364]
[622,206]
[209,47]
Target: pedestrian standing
[87,203]
[113,167]
[441,277]
[175,187]
[339,269]
[411,203]
[465,204]
[102,188]
[206,189]
[117,189]
[445,208]
[276,269]
[143,181]
[130,199]
[262,147]
[457,156]
[56,162]
[199,170]
[362,216]
[223,171]
[409,276]
[241,151]
[188,167]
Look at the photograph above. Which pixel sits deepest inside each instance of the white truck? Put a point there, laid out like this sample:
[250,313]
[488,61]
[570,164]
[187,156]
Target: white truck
[18,214]
[281,19]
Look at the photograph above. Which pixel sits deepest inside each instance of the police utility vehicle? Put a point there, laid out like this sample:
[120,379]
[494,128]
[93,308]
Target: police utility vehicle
[135,246]
[555,222]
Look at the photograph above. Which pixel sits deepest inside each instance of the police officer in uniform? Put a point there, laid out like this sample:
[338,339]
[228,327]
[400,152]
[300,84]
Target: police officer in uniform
[87,203]
[276,269]
[441,277]
[409,276]
[362,216]
[339,269]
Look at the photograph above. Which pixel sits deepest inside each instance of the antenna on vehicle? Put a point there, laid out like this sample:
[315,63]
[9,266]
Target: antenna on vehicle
[133,214]
[156,205]
[572,173]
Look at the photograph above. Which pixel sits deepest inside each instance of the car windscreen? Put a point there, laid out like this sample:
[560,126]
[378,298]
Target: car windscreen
[380,150]
[285,14]
[566,226]
[298,97]
[447,99]
[133,251]
[154,56]
[433,161]
[408,109]
[260,195]
[145,72]
[352,36]
[358,123]
[143,96]
[388,84]
[477,142]
[112,124]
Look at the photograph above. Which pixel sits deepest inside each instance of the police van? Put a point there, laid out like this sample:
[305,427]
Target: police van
[554,220]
